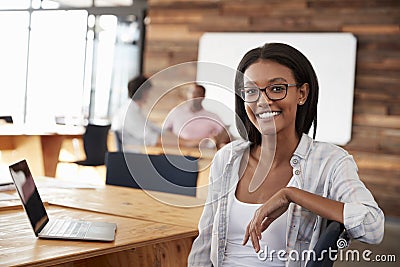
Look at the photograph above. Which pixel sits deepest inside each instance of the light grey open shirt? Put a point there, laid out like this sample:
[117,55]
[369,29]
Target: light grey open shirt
[321,168]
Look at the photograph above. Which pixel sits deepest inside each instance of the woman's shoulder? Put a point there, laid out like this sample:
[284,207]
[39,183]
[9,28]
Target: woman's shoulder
[328,152]
[319,151]
[329,148]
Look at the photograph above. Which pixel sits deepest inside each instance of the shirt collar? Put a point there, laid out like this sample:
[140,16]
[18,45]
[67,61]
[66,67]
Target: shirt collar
[304,147]
[238,147]
[302,150]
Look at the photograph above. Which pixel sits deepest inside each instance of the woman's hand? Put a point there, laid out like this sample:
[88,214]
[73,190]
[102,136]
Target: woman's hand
[264,216]
[278,204]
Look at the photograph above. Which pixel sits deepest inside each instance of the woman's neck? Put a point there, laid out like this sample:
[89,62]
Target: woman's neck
[274,152]
[280,147]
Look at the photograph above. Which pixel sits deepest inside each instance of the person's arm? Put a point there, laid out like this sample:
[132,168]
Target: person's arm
[324,207]
[278,204]
[362,217]
[168,122]
[349,202]
[200,254]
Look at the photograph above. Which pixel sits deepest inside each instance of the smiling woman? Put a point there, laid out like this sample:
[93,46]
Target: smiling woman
[278,187]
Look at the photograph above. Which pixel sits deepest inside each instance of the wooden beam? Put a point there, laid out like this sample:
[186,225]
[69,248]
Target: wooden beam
[384,121]
[372,29]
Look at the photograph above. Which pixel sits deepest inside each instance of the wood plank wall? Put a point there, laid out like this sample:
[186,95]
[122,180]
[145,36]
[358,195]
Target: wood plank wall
[175,26]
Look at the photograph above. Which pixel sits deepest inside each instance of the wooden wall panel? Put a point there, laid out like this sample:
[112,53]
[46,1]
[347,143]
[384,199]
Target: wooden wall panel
[175,27]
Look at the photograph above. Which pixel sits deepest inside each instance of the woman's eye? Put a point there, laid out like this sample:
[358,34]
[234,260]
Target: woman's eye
[277,88]
[251,91]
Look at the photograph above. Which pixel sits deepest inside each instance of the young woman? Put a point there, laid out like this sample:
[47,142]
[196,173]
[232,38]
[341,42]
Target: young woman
[272,193]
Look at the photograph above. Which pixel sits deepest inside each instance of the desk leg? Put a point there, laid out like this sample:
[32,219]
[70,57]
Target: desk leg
[25,147]
[51,146]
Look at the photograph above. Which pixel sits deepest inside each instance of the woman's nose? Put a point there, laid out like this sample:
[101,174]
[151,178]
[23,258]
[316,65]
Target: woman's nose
[264,99]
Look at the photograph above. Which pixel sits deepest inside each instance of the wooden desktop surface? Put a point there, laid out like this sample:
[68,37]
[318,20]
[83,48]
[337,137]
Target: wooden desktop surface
[137,242]
[134,203]
[149,232]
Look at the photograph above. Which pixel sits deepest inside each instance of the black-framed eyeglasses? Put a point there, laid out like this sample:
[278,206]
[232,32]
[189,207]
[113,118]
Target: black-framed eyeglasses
[274,92]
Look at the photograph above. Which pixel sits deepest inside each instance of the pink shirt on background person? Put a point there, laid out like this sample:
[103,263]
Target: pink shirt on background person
[190,125]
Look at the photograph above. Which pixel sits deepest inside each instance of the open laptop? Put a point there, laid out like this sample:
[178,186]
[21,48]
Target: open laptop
[42,225]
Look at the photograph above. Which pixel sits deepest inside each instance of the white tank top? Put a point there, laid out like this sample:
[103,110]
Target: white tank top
[273,238]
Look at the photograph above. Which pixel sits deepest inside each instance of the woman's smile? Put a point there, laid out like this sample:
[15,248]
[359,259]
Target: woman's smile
[268,115]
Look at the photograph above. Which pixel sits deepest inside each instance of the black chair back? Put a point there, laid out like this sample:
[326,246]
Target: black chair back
[326,242]
[95,144]
[118,140]
[7,119]
[165,173]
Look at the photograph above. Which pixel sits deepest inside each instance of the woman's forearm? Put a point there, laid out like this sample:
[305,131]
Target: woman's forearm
[325,207]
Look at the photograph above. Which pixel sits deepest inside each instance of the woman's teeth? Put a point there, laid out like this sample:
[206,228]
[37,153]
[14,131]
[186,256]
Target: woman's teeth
[267,115]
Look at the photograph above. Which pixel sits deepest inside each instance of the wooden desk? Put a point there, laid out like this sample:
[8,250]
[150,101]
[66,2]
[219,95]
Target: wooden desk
[40,146]
[205,153]
[137,243]
[150,232]
[134,203]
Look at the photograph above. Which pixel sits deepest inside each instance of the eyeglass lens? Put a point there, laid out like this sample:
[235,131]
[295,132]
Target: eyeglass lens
[274,92]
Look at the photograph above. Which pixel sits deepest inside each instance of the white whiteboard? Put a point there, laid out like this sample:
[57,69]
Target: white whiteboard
[333,56]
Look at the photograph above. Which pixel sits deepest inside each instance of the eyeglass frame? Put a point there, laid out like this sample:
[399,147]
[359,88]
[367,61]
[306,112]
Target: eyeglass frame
[287,85]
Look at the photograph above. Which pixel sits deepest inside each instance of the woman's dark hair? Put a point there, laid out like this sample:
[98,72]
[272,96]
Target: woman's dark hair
[303,72]
[202,88]
[136,83]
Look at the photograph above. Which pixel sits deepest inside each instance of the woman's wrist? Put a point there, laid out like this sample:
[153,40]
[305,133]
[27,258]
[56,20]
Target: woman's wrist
[288,193]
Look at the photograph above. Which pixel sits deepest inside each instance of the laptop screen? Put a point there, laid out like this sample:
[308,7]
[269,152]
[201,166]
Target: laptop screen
[29,195]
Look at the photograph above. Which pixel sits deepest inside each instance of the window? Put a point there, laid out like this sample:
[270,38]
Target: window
[56,65]
[13,54]
[70,63]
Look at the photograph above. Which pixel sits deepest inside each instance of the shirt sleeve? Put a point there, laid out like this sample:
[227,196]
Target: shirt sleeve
[363,219]
[168,123]
[138,128]
[200,254]
[152,133]
[172,117]
[151,136]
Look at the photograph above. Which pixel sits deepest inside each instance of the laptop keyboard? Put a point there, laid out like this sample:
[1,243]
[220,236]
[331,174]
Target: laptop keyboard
[68,228]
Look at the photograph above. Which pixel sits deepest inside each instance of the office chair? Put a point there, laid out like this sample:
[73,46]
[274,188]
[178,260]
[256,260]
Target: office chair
[95,145]
[118,140]
[328,239]
[7,119]
[165,173]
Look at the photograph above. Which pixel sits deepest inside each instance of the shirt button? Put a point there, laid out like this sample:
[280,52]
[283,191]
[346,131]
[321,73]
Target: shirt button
[295,161]
[297,172]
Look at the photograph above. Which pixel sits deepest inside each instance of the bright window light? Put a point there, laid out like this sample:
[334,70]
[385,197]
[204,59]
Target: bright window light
[13,54]
[14,4]
[56,65]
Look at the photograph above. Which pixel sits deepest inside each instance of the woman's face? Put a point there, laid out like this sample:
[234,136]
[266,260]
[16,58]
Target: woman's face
[273,116]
